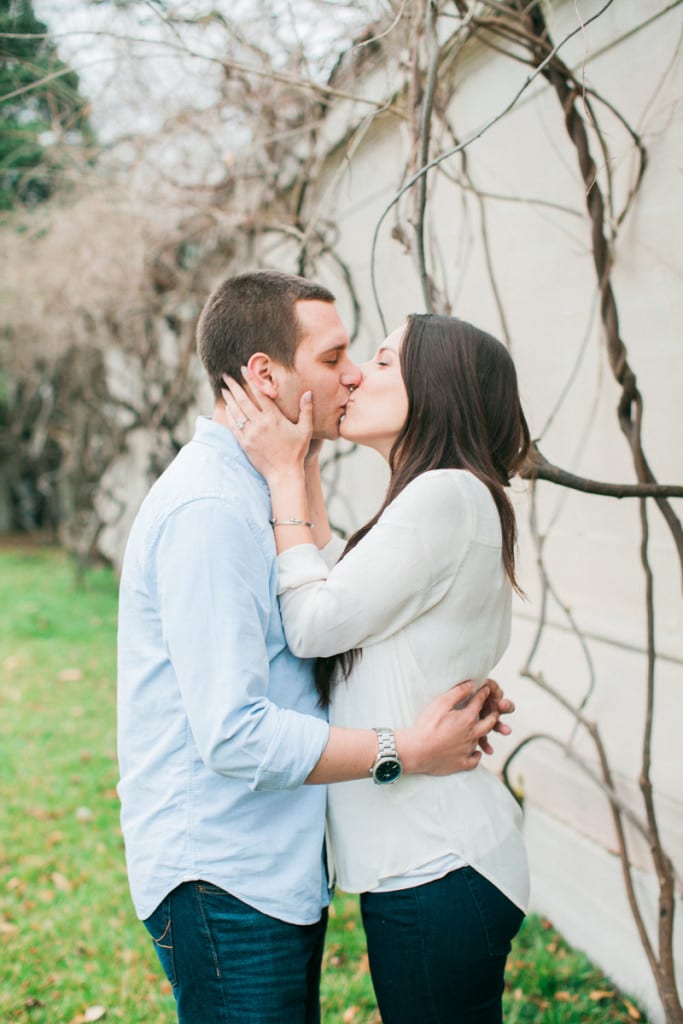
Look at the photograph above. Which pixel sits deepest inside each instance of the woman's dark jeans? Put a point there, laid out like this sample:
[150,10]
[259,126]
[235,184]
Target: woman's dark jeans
[437,951]
[231,964]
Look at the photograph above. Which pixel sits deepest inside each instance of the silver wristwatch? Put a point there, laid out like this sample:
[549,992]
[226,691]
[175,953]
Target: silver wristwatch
[387,767]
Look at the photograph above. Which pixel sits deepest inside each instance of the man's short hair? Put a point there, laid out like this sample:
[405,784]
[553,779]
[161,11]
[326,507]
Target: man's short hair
[253,312]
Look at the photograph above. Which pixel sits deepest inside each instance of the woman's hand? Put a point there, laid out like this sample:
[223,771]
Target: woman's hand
[446,735]
[496,701]
[274,444]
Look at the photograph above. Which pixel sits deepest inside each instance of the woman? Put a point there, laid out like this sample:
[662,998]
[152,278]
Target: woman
[420,596]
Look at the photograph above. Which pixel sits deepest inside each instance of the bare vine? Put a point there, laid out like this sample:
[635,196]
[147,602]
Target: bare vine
[523,27]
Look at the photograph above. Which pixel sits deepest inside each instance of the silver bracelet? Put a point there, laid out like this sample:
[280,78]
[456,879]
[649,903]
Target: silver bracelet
[291,522]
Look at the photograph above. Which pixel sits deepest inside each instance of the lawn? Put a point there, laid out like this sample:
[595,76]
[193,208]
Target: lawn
[71,949]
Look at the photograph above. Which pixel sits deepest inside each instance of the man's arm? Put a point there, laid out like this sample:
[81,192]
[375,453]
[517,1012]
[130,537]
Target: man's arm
[442,741]
[215,606]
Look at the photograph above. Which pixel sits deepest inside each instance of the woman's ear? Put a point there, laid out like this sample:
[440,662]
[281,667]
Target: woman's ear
[262,378]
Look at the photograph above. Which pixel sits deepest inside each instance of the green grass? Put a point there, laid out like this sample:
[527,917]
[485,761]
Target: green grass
[69,940]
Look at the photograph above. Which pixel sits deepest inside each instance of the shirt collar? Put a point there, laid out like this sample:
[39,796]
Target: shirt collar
[208,432]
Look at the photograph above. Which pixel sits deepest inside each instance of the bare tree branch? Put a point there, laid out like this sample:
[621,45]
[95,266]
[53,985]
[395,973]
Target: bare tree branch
[539,468]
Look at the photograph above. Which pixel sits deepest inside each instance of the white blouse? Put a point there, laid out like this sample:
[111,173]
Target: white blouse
[426,597]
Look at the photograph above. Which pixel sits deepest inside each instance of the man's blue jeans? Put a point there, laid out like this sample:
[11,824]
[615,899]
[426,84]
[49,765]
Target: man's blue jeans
[231,964]
[437,951]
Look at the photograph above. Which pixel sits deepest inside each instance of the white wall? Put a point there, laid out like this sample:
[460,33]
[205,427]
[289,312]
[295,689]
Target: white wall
[544,271]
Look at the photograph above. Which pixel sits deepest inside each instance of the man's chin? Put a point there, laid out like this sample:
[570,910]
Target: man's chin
[330,432]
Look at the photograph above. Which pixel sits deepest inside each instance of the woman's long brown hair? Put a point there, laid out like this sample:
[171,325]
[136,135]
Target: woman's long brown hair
[464,412]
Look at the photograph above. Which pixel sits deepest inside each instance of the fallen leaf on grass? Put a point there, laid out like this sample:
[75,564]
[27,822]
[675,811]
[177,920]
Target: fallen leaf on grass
[363,967]
[60,882]
[70,675]
[8,929]
[350,1015]
[42,814]
[633,1011]
[600,993]
[92,1013]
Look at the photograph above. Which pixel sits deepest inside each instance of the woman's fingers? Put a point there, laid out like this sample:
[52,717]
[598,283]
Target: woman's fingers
[305,422]
[243,399]
[237,403]
[458,694]
[235,417]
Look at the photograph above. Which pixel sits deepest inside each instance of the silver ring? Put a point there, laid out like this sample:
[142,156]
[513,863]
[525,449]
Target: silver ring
[240,424]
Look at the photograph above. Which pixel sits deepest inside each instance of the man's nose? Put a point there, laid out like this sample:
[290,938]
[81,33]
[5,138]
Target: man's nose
[352,376]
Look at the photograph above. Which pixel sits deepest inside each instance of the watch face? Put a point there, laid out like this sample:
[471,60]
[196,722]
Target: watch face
[388,771]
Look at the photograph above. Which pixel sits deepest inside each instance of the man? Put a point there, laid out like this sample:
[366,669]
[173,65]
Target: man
[222,746]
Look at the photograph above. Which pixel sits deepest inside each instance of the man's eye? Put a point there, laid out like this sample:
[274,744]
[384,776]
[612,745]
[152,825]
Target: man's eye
[333,362]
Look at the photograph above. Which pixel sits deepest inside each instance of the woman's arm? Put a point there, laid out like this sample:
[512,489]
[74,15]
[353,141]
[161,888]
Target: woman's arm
[399,570]
[315,499]
[278,449]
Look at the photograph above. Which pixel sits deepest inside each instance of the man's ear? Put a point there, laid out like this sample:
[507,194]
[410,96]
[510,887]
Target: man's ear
[263,374]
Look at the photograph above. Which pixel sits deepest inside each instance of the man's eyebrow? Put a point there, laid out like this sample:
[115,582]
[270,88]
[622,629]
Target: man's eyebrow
[334,348]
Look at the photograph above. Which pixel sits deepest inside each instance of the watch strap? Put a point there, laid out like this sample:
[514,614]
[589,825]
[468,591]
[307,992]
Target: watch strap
[386,743]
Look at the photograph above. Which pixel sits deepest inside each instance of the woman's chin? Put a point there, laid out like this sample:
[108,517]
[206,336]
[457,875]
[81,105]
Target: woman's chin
[346,430]
[348,433]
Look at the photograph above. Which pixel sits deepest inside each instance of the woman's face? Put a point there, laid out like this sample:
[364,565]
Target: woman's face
[377,408]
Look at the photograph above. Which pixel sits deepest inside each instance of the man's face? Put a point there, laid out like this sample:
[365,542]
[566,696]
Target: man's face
[321,365]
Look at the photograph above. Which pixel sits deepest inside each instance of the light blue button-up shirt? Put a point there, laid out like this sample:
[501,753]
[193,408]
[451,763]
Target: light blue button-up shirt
[218,721]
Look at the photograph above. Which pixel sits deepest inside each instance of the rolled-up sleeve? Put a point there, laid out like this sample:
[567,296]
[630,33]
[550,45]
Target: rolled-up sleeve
[215,600]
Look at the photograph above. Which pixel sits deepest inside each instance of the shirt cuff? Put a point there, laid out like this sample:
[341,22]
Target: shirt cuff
[332,551]
[301,564]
